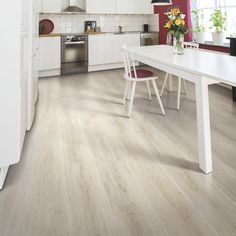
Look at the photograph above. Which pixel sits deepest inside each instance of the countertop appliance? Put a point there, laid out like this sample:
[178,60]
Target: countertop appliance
[152,38]
[90,26]
[74,57]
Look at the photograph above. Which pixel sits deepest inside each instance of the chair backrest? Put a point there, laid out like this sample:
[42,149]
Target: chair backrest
[129,64]
[191,45]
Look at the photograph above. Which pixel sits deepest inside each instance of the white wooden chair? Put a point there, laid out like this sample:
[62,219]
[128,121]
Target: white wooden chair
[190,45]
[133,75]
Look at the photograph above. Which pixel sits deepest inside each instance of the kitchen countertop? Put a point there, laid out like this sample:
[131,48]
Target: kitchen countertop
[96,33]
[49,35]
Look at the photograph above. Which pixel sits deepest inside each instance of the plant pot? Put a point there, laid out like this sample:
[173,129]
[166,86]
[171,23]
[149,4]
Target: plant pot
[218,38]
[178,44]
[200,37]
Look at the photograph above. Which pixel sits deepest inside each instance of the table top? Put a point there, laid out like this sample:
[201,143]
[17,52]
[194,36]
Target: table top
[212,65]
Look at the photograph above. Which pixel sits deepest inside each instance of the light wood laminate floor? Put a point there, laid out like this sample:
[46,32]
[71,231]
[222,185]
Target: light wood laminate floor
[88,170]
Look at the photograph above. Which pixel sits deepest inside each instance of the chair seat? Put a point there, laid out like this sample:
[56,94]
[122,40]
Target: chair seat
[142,73]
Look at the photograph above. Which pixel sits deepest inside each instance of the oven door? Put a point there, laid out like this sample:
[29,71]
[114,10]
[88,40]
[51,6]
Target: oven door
[74,52]
[74,58]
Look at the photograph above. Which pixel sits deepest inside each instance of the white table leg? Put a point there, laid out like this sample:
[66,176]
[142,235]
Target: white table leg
[170,83]
[129,91]
[203,124]
[3,174]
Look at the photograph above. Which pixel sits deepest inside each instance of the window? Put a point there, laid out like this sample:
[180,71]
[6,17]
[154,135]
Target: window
[228,6]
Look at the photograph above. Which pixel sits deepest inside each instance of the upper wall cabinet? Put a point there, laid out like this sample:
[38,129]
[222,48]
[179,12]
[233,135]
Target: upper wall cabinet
[53,6]
[101,6]
[119,7]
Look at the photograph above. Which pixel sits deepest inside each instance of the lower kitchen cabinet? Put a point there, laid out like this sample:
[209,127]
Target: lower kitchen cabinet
[105,50]
[49,56]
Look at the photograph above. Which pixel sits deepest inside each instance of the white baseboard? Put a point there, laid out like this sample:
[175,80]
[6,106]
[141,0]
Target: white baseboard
[48,73]
[3,175]
[105,67]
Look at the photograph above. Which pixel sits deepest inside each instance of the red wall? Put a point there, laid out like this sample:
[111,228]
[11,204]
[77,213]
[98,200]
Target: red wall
[185,8]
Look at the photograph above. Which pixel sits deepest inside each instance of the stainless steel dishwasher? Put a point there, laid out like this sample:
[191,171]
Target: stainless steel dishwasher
[74,58]
[150,39]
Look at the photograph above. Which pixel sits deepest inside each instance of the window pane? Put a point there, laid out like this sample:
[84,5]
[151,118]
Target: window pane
[231,20]
[206,4]
[227,3]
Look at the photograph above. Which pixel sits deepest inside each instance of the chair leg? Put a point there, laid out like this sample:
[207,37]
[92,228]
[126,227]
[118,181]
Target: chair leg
[185,87]
[158,96]
[127,83]
[179,92]
[149,90]
[133,86]
[164,84]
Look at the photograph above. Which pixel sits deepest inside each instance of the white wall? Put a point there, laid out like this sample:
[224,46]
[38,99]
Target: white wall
[108,23]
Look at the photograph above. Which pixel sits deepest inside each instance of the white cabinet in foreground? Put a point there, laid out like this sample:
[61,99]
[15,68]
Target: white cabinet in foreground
[49,56]
[105,50]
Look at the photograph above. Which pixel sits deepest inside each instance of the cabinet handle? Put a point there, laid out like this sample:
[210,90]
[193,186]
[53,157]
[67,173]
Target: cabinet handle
[71,43]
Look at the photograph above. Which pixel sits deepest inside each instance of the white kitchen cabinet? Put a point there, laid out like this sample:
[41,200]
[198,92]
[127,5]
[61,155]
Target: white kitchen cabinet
[108,6]
[101,6]
[53,6]
[49,56]
[119,7]
[144,7]
[126,7]
[13,83]
[105,50]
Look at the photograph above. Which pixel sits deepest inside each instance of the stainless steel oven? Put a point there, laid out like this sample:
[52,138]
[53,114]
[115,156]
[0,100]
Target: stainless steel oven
[74,58]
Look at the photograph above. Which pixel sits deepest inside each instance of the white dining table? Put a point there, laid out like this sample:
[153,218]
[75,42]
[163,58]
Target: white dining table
[201,68]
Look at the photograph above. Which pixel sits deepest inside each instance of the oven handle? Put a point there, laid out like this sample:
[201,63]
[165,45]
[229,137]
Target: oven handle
[78,42]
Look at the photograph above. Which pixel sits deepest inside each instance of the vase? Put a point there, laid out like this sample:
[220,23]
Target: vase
[218,38]
[200,37]
[179,45]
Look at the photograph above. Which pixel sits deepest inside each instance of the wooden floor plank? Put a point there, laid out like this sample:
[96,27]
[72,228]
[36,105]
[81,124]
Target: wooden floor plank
[86,169]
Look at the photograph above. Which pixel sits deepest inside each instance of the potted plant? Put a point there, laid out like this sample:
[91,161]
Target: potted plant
[218,21]
[198,28]
[176,26]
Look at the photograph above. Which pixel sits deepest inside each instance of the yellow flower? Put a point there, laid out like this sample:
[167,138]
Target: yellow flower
[179,22]
[168,24]
[175,11]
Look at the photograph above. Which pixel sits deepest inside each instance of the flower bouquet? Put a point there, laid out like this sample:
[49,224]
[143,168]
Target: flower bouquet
[176,26]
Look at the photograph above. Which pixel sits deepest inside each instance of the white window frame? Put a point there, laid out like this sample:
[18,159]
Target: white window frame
[217,5]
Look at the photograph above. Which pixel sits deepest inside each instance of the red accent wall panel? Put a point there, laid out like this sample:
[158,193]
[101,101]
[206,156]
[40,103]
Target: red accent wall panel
[185,8]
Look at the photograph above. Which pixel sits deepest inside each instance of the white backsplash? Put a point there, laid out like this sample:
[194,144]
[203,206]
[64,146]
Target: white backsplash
[107,23]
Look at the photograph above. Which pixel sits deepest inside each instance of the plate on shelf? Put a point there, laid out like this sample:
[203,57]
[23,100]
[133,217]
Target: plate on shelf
[46,26]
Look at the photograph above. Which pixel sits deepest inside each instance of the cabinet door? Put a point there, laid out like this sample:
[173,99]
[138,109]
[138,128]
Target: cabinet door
[93,6]
[126,6]
[101,6]
[103,49]
[134,7]
[108,6]
[49,53]
[23,85]
[130,40]
[144,7]
[107,49]
[54,6]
